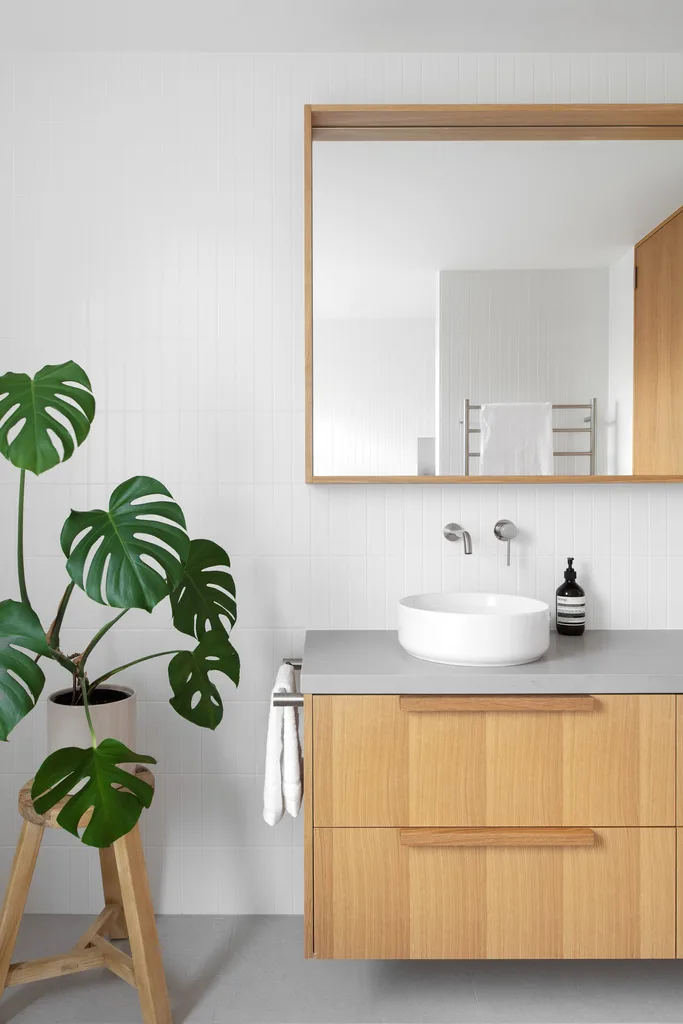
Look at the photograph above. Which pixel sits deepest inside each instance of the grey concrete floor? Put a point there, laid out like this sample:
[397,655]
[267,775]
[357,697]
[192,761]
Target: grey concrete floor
[251,970]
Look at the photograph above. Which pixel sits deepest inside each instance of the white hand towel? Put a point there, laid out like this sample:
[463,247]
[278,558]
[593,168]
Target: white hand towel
[282,787]
[516,439]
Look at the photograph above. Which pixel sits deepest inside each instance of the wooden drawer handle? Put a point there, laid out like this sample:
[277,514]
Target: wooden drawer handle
[495,703]
[497,836]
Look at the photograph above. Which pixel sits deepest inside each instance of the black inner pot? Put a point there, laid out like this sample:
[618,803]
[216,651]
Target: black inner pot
[99,696]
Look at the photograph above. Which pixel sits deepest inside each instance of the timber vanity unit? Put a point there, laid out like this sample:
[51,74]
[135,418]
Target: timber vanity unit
[526,812]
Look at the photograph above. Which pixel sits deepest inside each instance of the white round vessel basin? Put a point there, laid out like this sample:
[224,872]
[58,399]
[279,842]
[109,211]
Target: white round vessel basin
[477,630]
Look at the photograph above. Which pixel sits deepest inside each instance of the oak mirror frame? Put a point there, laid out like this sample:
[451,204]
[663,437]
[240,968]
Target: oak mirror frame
[657,412]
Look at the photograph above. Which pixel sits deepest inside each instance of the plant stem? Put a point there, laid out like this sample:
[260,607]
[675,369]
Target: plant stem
[98,636]
[65,662]
[20,541]
[54,630]
[122,668]
[84,691]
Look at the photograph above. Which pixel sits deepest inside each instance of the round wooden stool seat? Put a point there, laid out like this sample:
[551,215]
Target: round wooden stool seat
[49,819]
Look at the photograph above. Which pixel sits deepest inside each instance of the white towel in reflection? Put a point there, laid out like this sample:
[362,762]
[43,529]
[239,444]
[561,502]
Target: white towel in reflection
[516,439]
[282,787]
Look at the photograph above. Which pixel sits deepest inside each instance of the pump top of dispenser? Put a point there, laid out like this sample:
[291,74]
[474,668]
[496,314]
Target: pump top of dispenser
[570,571]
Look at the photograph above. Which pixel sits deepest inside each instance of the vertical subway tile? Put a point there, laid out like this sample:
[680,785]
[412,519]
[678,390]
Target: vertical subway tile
[674,593]
[656,593]
[620,599]
[583,513]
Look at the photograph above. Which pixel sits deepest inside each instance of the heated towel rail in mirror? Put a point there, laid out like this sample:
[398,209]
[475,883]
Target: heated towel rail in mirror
[491,293]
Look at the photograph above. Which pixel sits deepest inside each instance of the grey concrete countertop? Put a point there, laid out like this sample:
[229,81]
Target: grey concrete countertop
[600,661]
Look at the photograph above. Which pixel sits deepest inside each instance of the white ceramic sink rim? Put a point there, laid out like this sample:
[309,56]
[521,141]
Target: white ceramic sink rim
[473,604]
[474,630]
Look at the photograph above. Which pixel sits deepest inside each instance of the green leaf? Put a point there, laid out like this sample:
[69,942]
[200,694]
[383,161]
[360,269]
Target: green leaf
[21,679]
[121,540]
[115,810]
[205,595]
[51,402]
[195,696]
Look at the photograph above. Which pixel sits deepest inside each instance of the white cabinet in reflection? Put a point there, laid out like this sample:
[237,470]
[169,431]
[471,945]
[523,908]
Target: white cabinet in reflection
[374,394]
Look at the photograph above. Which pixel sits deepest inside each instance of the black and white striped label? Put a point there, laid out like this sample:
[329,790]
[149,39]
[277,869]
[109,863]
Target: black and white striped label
[571,611]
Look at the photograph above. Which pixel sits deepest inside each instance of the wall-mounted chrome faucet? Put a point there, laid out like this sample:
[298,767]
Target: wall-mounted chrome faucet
[452,531]
[506,531]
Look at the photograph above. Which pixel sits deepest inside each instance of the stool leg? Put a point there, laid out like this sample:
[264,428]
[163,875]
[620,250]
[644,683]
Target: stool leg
[17,891]
[117,928]
[142,930]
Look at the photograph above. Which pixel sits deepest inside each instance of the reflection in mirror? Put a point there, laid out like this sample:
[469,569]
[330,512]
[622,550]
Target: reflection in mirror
[480,285]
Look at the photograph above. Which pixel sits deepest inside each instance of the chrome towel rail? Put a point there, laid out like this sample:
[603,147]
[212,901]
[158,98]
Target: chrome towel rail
[289,700]
[592,419]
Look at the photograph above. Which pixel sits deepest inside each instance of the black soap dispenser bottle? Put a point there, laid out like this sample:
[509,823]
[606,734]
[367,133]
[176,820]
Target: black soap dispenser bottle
[570,608]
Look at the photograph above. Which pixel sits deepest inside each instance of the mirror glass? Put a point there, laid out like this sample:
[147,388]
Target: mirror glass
[473,303]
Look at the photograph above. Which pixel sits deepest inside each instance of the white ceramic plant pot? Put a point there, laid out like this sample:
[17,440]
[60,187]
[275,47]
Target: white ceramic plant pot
[67,725]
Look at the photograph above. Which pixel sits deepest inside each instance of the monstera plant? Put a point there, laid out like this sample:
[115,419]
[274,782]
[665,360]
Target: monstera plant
[133,554]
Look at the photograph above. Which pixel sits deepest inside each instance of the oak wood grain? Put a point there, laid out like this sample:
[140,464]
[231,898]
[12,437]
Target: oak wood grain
[349,122]
[658,351]
[494,702]
[679,893]
[376,765]
[375,898]
[605,116]
[49,819]
[126,887]
[309,878]
[72,962]
[116,928]
[144,940]
[487,133]
[23,866]
[118,962]
[679,762]
[96,928]
[496,836]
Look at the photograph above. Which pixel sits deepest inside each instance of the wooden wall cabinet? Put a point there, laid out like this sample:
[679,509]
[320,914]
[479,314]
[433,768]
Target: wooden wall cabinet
[658,298]
[457,827]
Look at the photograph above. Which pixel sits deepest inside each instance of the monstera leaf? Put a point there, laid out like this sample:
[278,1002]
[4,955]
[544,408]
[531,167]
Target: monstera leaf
[195,696]
[137,528]
[116,796]
[58,401]
[21,679]
[205,595]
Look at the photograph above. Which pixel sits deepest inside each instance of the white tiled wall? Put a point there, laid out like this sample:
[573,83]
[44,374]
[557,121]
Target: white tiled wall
[151,228]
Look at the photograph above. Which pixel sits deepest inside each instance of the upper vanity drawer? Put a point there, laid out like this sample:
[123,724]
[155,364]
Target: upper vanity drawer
[494,760]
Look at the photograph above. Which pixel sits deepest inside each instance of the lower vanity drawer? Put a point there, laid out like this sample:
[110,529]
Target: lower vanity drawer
[548,893]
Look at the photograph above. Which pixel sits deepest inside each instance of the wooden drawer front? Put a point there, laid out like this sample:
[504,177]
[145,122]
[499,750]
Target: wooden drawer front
[377,898]
[679,891]
[679,760]
[381,761]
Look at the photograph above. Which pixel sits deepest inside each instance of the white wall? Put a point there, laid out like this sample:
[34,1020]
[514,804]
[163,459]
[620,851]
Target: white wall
[151,227]
[621,327]
[373,395]
[522,336]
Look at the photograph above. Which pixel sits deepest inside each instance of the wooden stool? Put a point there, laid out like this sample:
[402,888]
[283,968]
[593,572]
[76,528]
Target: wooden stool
[128,913]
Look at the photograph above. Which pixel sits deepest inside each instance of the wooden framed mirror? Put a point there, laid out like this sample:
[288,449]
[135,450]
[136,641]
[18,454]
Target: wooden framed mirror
[492,293]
